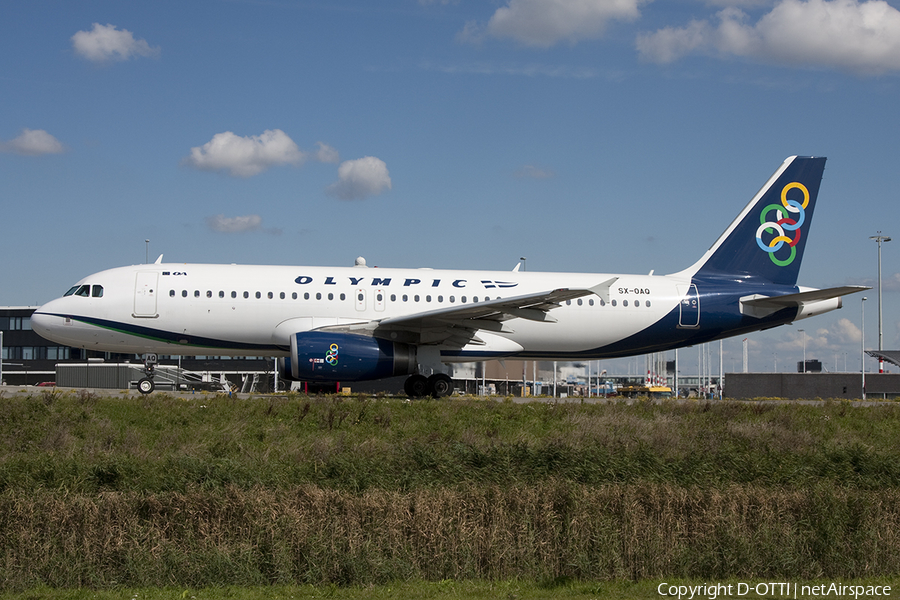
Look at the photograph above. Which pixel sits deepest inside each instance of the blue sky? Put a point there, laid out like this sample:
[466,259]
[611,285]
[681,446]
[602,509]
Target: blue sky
[587,135]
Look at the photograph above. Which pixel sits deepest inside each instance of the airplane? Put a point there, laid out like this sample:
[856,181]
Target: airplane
[346,324]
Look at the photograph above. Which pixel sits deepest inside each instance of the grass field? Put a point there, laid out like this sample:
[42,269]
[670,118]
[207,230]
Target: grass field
[436,590]
[107,493]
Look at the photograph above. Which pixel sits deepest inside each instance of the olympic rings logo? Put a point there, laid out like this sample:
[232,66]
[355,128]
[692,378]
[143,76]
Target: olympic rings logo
[789,217]
[331,357]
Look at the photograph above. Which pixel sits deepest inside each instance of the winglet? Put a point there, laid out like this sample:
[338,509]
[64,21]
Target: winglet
[158,260]
[602,289]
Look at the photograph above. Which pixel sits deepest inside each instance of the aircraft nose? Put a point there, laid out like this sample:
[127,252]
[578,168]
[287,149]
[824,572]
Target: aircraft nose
[45,321]
[41,322]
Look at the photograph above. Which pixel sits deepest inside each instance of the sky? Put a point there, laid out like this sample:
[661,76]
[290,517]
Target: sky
[585,135]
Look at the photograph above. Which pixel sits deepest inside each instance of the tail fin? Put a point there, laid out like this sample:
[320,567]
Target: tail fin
[767,239]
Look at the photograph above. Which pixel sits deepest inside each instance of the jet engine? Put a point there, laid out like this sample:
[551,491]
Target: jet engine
[323,356]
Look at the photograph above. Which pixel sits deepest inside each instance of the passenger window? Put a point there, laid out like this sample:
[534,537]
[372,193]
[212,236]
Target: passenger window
[591,301]
[602,302]
[318,295]
[234,294]
[271,295]
[568,303]
[463,299]
[246,295]
[209,293]
[624,302]
[294,296]
[647,303]
[221,294]
[281,295]
[440,298]
[258,295]
[474,298]
[637,302]
[306,295]
[196,293]
[405,298]
[579,302]
[97,291]
[330,296]
[452,299]
[613,302]
[393,297]
[171,293]
[416,297]
[428,298]
[343,296]
[184,293]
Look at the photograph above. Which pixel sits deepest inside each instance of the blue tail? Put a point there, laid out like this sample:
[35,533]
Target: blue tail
[768,237]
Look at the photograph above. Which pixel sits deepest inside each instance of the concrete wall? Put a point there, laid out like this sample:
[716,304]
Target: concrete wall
[799,386]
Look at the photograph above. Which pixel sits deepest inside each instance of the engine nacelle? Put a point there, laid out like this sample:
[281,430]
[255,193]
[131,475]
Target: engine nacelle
[323,356]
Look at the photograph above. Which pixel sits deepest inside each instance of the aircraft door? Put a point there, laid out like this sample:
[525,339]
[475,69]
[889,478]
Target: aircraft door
[360,299]
[689,309]
[145,293]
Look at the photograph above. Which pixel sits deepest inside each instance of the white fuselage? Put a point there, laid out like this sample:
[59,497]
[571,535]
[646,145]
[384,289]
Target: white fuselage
[243,310]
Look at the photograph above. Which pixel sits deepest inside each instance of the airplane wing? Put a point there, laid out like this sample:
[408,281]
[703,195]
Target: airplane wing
[459,324]
[760,306]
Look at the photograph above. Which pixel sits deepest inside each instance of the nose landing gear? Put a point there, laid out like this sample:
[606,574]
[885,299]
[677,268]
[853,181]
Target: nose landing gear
[146,385]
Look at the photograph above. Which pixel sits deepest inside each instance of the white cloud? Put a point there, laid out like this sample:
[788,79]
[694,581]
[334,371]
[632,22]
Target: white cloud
[33,142]
[224,224]
[845,331]
[360,178]
[327,154]
[859,37]
[105,42]
[245,156]
[543,23]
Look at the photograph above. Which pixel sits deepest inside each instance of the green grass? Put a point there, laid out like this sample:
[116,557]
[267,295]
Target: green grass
[102,493]
[84,443]
[422,590]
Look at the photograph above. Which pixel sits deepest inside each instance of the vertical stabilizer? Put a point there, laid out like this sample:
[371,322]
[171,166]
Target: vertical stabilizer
[767,239]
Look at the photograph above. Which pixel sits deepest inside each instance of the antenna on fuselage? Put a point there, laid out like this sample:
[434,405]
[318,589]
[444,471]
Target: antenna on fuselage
[360,262]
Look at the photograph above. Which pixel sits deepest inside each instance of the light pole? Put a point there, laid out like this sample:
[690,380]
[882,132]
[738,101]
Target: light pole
[880,238]
[862,351]
[147,259]
[804,348]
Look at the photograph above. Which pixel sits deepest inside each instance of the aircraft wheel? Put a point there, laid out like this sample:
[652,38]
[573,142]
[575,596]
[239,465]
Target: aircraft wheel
[440,385]
[416,386]
[146,385]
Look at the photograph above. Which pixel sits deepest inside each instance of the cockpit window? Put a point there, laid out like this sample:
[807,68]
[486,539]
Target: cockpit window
[85,291]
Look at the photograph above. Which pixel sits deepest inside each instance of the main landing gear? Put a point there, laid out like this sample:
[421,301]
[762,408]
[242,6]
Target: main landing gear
[146,385]
[438,385]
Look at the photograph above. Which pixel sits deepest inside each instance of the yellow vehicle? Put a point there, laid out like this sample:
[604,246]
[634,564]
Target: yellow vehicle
[650,391]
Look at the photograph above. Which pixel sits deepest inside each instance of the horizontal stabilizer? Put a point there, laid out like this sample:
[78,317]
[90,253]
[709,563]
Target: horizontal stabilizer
[762,306]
